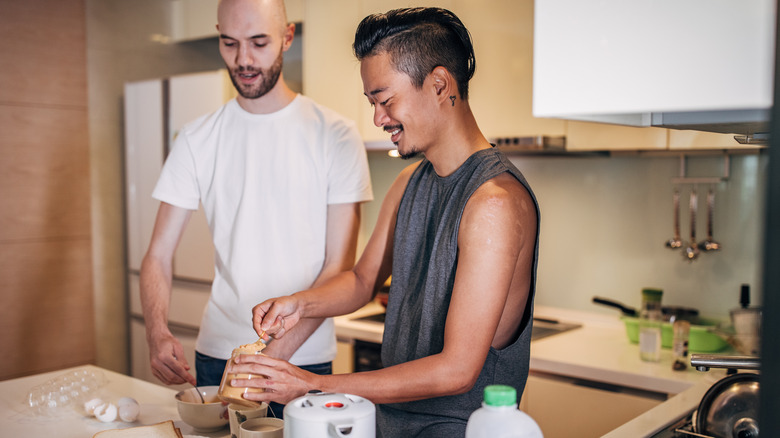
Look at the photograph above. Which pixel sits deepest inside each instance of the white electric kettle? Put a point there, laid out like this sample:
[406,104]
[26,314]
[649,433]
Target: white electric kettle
[329,415]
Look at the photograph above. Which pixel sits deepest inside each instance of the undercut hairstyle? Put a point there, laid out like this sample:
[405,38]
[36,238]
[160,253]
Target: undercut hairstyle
[419,40]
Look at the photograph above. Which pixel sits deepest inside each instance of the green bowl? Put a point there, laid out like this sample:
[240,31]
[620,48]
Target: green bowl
[700,339]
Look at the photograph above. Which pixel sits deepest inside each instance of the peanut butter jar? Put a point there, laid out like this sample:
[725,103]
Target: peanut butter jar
[232,394]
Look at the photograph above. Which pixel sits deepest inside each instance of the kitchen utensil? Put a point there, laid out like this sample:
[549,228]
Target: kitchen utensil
[691,252]
[670,313]
[709,244]
[627,311]
[675,241]
[701,337]
[199,394]
[329,415]
[730,407]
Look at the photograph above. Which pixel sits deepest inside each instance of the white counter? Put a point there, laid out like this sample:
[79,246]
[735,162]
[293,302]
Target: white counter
[157,405]
[598,351]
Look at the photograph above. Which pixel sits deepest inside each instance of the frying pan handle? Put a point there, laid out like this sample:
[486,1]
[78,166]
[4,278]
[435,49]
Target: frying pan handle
[628,311]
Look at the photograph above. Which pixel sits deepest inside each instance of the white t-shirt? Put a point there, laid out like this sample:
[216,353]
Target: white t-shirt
[265,182]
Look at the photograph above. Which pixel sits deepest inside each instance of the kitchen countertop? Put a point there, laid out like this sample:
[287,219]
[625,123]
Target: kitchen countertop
[157,405]
[598,351]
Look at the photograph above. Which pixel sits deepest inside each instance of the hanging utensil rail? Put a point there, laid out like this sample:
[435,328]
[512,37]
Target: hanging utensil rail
[684,179]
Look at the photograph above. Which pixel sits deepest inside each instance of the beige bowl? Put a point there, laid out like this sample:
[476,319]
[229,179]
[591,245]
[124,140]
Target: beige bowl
[205,417]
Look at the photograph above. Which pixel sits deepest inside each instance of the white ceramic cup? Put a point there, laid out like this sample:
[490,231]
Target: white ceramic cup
[238,414]
[265,427]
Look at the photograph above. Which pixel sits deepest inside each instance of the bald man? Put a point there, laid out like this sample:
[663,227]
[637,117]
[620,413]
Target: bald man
[280,179]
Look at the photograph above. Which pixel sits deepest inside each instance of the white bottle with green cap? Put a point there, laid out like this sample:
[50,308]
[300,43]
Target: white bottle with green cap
[499,417]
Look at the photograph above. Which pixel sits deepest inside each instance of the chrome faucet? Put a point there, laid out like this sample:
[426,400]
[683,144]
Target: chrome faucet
[703,362]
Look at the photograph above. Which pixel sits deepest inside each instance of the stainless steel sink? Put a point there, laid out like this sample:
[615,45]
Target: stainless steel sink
[544,327]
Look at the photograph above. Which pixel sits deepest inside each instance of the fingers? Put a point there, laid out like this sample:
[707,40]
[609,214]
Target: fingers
[169,365]
[258,313]
[280,381]
[274,317]
[277,329]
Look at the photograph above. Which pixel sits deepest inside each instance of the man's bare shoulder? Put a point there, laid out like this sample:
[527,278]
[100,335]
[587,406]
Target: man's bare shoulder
[503,193]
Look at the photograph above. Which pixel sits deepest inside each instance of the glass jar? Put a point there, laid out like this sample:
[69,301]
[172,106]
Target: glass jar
[650,320]
[680,344]
[232,394]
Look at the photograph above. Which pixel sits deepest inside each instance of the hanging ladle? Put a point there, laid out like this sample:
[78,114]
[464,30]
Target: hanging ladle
[675,241]
[692,251]
[709,244]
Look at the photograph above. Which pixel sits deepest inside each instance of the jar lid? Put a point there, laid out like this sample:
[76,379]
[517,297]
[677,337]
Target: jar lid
[500,395]
[651,294]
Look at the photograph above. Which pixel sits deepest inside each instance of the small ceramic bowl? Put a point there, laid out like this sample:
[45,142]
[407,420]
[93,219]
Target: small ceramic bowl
[204,417]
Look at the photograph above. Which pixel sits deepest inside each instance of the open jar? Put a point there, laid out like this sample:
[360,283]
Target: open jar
[232,394]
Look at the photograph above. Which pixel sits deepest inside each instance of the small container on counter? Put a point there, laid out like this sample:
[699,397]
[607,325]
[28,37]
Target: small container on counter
[681,330]
[232,394]
[650,321]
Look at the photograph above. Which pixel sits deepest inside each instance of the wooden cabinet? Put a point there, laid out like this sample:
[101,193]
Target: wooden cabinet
[565,407]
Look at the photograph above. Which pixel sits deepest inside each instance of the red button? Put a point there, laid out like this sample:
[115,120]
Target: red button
[334,405]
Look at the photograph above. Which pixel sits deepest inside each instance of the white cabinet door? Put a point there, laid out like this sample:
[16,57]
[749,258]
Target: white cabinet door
[144,132]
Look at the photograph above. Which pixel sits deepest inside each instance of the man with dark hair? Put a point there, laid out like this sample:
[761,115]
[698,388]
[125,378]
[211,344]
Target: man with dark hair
[458,230]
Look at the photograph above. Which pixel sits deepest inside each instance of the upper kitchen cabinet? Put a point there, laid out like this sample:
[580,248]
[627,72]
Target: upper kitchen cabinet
[695,66]
[197,19]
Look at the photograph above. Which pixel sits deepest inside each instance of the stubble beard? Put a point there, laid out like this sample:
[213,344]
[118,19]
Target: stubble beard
[408,156]
[268,81]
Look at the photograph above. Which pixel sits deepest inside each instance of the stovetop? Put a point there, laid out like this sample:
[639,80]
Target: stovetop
[681,428]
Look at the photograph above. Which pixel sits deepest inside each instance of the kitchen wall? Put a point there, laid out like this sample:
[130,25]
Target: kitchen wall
[605,221]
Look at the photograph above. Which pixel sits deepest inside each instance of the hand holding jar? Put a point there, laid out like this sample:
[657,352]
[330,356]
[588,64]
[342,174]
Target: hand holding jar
[231,394]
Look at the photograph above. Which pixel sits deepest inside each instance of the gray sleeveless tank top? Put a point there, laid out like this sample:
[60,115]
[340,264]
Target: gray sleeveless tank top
[425,253]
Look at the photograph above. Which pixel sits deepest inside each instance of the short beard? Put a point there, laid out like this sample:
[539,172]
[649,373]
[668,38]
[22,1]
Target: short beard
[269,79]
[408,156]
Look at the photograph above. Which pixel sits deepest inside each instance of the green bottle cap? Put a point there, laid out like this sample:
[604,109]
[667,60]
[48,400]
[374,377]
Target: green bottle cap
[500,395]
[650,294]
